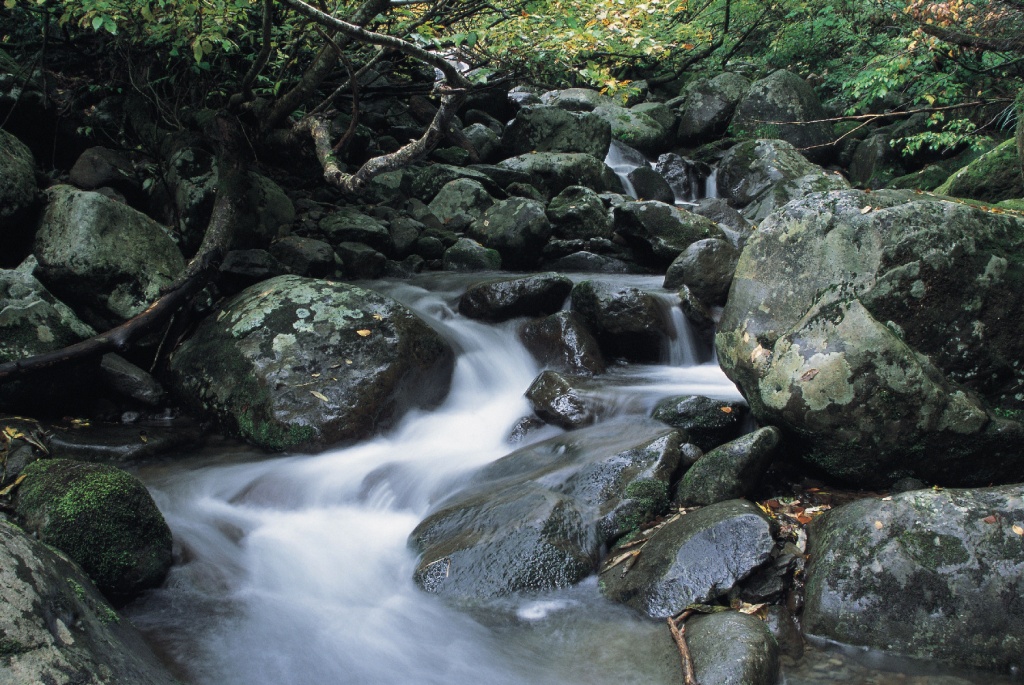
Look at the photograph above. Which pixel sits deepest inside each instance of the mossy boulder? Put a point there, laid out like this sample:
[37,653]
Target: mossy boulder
[636,129]
[553,172]
[517,228]
[539,518]
[299,363]
[105,259]
[659,232]
[469,255]
[732,648]
[729,471]
[460,202]
[993,177]
[553,129]
[577,213]
[706,268]
[877,330]
[101,517]
[56,628]
[708,107]
[933,574]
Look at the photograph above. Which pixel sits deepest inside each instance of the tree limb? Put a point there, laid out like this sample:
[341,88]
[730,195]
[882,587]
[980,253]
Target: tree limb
[245,87]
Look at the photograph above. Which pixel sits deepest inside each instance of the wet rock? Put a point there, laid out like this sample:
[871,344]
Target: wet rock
[523,428]
[100,167]
[708,107]
[693,559]
[269,215]
[485,140]
[578,99]
[555,399]
[708,423]
[884,325]
[730,648]
[102,257]
[553,172]
[129,380]
[360,261]
[469,255]
[304,256]
[658,111]
[784,97]
[686,178]
[627,322]
[579,213]
[588,262]
[695,310]
[706,268]
[273,363]
[635,128]
[525,190]
[718,210]
[932,574]
[120,443]
[785,630]
[534,295]
[659,232]
[501,176]
[57,628]
[562,342]
[101,517]
[405,231]
[730,471]
[537,519]
[517,228]
[552,129]
[993,177]
[648,184]
[349,225]
[425,183]
[760,176]
[460,202]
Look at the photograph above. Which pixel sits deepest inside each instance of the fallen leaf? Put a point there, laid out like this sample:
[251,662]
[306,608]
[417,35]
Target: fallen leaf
[363,332]
[991,518]
[750,609]
[809,375]
[17,481]
[378,317]
[143,437]
[878,525]
[348,361]
[866,210]
[319,395]
[726,410]
[314,375]
[803,519]
[1017,529]
[13,433]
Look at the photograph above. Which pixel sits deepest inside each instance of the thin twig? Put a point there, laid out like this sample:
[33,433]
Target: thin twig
[677,624]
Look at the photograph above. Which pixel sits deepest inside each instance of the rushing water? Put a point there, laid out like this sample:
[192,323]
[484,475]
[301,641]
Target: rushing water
[295,569]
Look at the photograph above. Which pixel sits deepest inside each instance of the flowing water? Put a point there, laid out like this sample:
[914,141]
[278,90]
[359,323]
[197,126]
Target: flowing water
[295,569]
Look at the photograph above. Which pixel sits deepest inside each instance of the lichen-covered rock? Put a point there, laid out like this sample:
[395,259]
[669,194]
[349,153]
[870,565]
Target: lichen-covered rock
[761,176]
[686,177]
[349,225]
[533,295]
[460,202]
[102,257]
[56,628]
[538,518]
[556,399]
[425,183]
[578,213]
[628,322]
[485,140]
[993,177]
[782,96]
[729,471]
[362,262]
[936,574]
[101,517]
[730,648]
[578,99]
[706,268]
[517,228]
[563,342]
[304,256]
[708,107]
[694,558]
[553,172]
[553,129]
[469,255]
[706,422]
[659,232]
[635,128]
[297,363]
[866,325]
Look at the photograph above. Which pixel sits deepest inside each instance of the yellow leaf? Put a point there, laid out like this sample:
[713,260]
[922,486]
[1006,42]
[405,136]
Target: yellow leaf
[319,395]
[17,481]
[866,210]
[878,525]
[13,433]
[378,317]
[1017,529]
[363,332]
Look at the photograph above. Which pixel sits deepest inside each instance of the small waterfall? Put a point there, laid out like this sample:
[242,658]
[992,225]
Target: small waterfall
[622,159]
[689,180]
[711,184]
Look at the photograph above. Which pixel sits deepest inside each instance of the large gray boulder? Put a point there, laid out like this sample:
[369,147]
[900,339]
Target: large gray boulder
[553,172]
[692,559]
[936,574]
[538,518]
[460,202]
[783,105]
[659,232]
[867,325]
[708,107]
[517,228]
[564,343]
[103,258]
[56,628]
[706,268]
[552,129]
[636,129]
[298,363]
[100,516]
[577,213]
[760,176]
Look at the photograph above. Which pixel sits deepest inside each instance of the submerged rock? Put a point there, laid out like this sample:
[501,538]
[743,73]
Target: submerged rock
[56,628]
[881,319]
[555,399]
[538,518]
[297,363]
[936,574]
[694,558]
[101,517]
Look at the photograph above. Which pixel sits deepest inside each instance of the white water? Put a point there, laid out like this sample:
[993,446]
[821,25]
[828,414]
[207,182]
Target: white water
[295,570]
[622,159]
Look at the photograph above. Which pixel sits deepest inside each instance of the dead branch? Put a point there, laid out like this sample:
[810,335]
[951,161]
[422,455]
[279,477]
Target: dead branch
[890,115]
[677,624]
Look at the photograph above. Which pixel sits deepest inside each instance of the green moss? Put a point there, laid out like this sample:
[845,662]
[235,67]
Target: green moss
[9,648]
[934,551]
[649,498]
[104,613]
